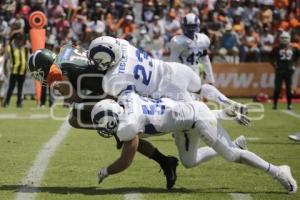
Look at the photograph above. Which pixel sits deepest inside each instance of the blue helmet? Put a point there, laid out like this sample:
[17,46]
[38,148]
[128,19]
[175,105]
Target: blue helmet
[190,25]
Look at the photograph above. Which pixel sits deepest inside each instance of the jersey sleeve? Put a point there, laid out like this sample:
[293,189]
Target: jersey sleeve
[131,124]
[116,84]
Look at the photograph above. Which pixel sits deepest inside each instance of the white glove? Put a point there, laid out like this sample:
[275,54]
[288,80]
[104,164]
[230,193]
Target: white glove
[240,108]
[102,174]
[242,119]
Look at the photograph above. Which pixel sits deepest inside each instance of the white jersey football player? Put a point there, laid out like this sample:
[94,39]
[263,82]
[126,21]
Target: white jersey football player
[191,48]
[133,115]
[129,66]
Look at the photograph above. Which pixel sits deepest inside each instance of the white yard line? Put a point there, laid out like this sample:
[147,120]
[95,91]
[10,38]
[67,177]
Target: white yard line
[31,116]
[36,172]
[240,196]
[291,113]
[133,196]
[252,138]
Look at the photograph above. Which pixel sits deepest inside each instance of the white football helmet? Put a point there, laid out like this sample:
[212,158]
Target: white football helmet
[285,38]
[105,51]
[190,25]
[105,116]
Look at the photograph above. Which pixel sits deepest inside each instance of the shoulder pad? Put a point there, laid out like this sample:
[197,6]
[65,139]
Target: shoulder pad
[179,40]
[203,40]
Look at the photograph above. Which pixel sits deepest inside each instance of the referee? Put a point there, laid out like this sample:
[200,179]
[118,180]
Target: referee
[18,55]
[284,61]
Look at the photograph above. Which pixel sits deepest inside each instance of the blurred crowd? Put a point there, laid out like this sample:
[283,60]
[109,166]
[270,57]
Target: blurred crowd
[239,30]
[246,30]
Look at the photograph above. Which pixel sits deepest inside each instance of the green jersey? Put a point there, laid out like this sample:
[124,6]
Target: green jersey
[82,74]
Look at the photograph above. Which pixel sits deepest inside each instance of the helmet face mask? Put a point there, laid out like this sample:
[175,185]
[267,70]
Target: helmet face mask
[105,52]
[105,117]
[39,64]
[190,25]
[285,38]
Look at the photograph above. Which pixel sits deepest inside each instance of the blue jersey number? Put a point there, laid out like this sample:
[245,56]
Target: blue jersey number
[139,70]
[153,107]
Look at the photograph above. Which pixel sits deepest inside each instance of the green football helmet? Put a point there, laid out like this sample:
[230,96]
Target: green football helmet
[39,64]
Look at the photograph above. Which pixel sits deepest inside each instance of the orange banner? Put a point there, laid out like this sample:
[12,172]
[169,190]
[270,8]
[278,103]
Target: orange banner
[247,79]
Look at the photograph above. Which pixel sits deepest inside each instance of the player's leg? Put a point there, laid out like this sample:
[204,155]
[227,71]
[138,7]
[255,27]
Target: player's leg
[167,163]
[277,89]
[187,143]
[288,85]
[180,83]
[222,144]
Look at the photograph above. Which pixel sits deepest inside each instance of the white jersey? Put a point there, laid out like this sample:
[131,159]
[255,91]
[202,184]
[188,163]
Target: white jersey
[192,52]
[153,116]
[148,76]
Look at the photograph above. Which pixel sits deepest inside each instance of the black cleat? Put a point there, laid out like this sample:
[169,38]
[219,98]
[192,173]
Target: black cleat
[169,168]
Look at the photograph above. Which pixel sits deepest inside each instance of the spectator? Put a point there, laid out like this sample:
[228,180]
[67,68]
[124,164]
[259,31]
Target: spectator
[17,25]
[229,45]
[172,25]
[250,51]
[266,44]
[251,13]
[238,25]
[266,15]
[3,30]
[127,26]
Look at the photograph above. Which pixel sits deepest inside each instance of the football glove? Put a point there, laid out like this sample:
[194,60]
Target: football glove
[232,112]
[242,119]
[240,108]
[102,174]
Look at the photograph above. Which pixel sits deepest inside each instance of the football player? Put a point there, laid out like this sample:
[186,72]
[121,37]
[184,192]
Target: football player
[72,66]
[285,58]
[127,66]
[130,68]
[191,48]
[133,115]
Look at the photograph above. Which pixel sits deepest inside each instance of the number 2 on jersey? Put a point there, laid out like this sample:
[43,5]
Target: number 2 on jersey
[140,70]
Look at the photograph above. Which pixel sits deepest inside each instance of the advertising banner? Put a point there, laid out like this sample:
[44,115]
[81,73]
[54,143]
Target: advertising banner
[247,79]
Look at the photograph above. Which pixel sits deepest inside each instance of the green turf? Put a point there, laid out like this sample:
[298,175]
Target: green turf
[71,173]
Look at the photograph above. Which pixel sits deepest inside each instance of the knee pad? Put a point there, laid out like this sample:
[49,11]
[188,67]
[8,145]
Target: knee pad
[188,162]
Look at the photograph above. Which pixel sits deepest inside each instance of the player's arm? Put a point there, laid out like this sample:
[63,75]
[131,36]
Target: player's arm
[126,157]
[123,162]
[205,60]
[60,82]
[66,89]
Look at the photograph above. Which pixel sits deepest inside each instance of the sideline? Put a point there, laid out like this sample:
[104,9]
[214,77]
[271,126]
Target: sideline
[35,174]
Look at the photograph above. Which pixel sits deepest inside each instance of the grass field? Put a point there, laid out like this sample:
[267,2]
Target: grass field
[71,171]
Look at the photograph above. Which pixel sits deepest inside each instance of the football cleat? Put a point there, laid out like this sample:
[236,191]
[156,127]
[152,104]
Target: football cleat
[169,169]
[284,176]
[241,142]
[295,137]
